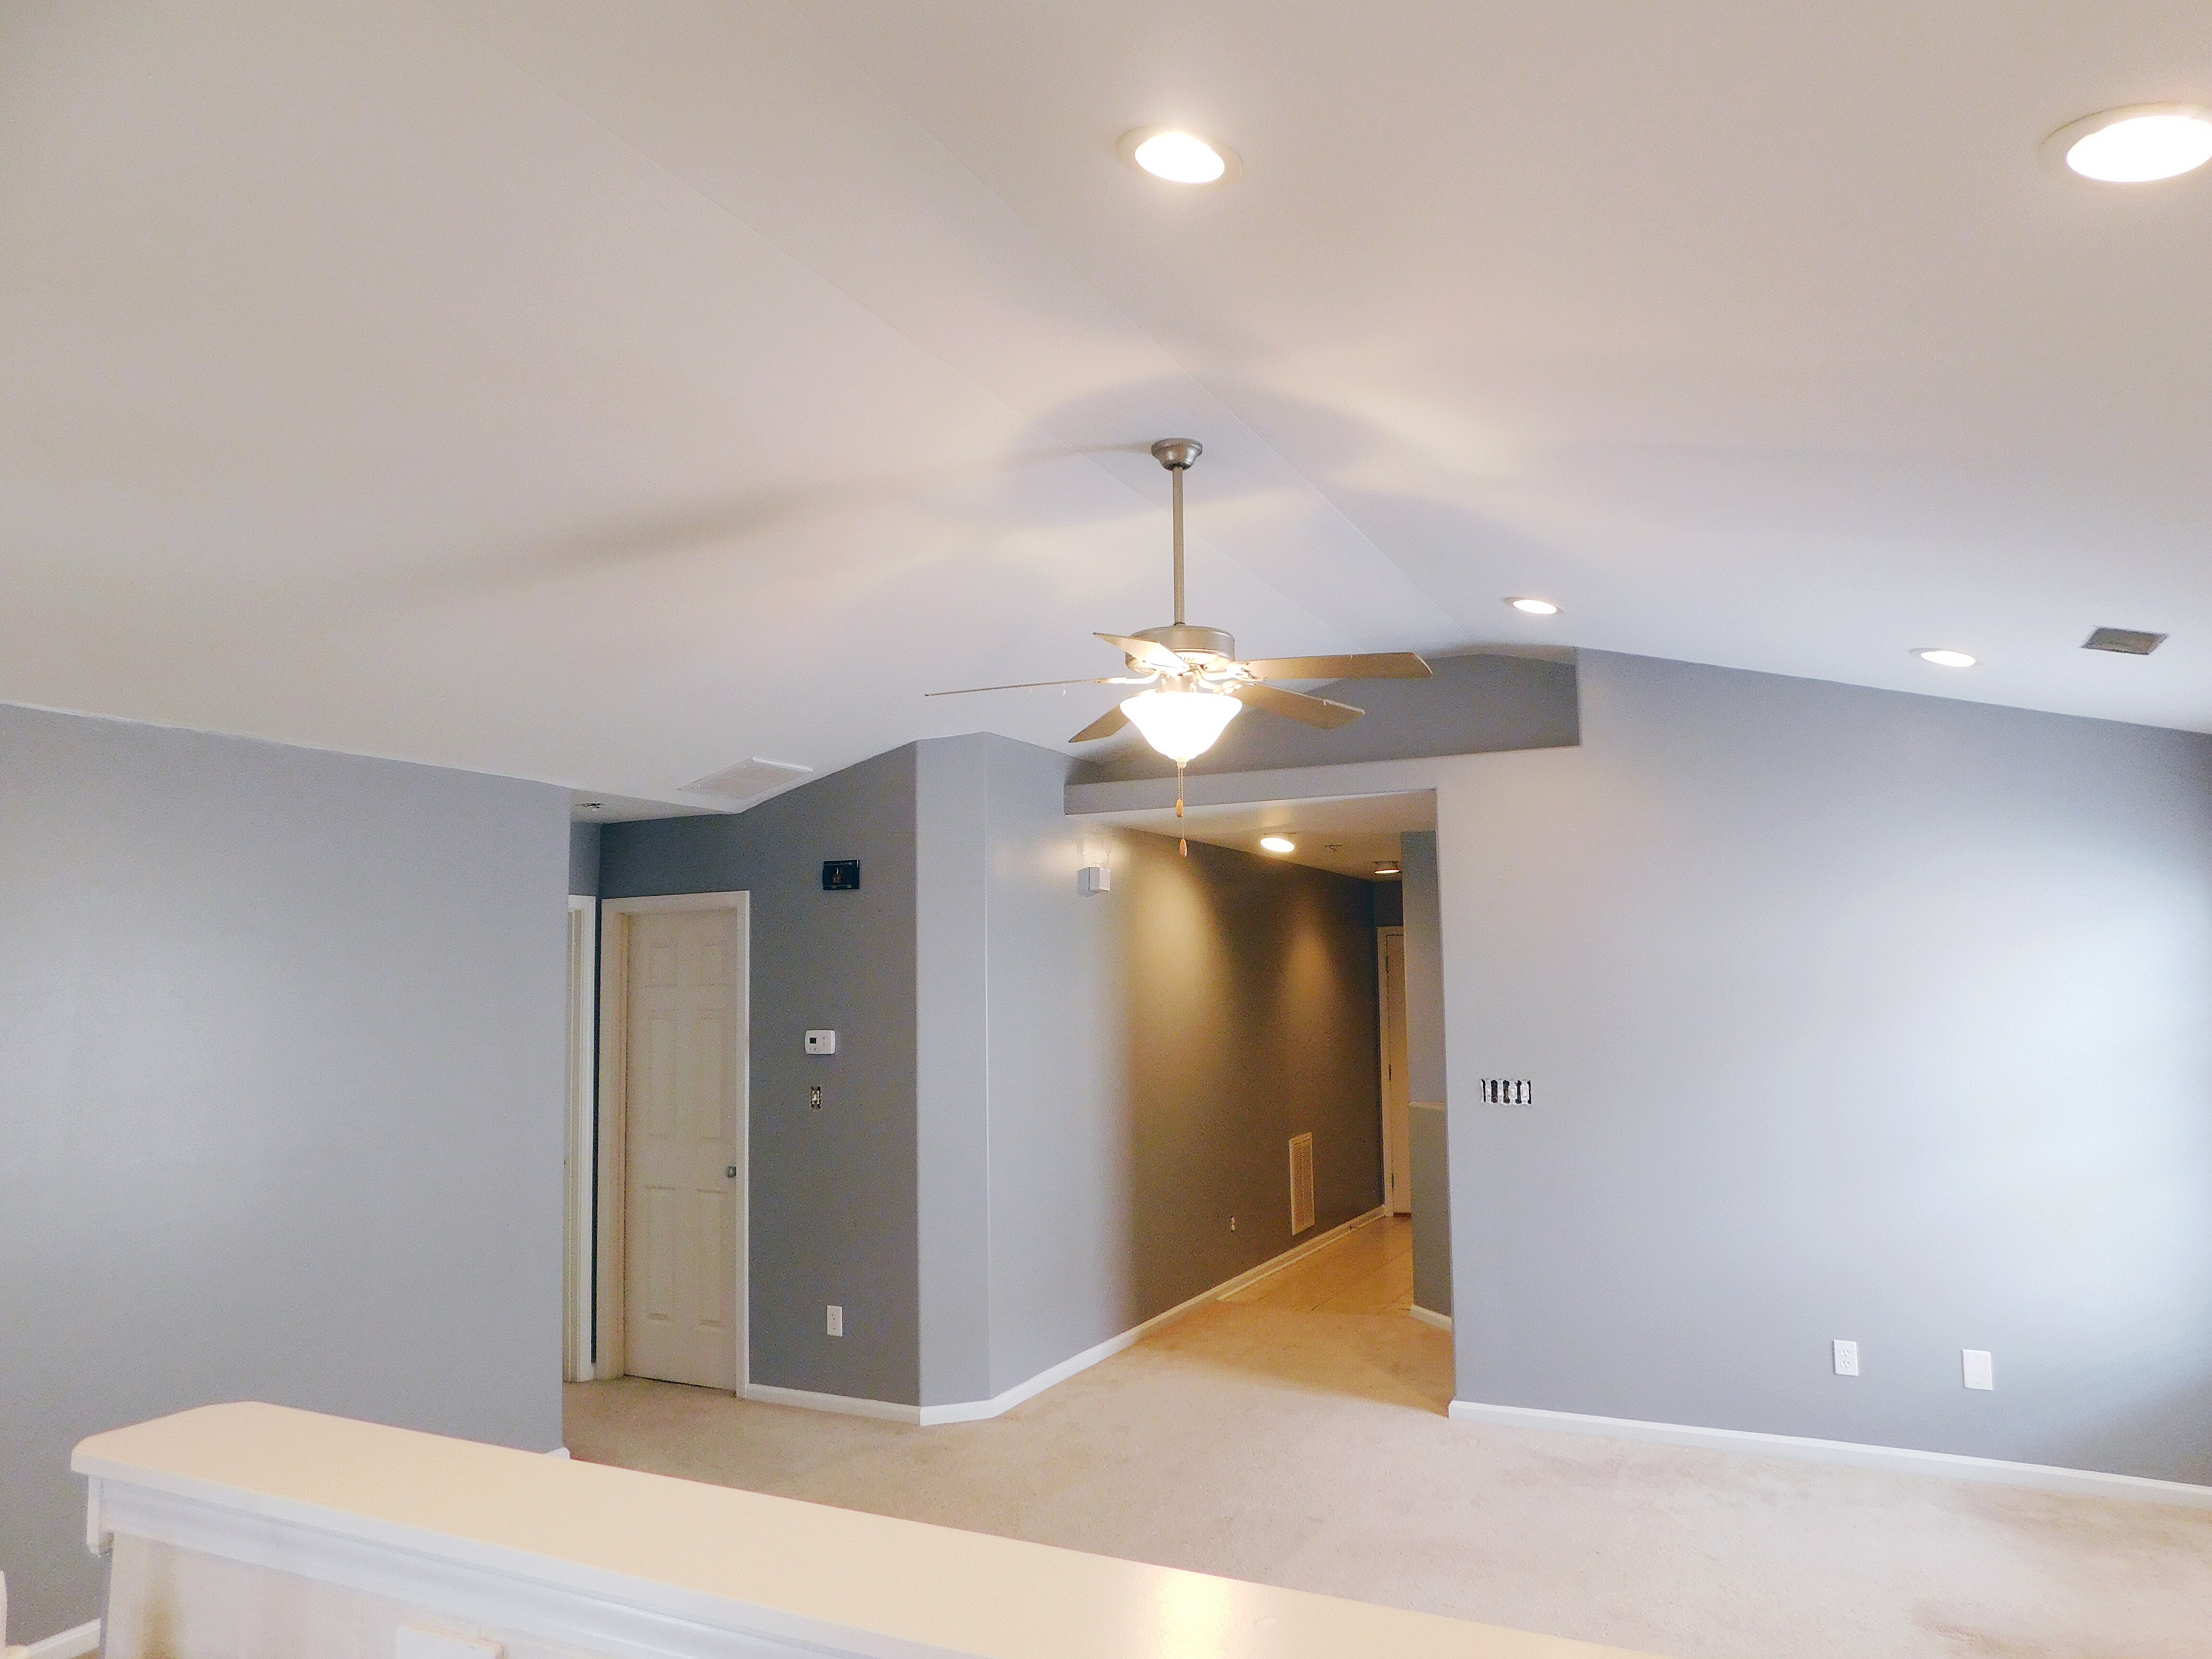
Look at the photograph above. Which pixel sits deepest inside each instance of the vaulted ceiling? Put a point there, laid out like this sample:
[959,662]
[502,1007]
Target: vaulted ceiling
[605,393]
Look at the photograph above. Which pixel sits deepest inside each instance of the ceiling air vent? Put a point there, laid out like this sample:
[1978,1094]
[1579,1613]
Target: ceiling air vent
[747,778]
[2128,641]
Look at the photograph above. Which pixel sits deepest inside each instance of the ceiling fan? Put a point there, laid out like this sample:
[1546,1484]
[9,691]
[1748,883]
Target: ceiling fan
[1194,683]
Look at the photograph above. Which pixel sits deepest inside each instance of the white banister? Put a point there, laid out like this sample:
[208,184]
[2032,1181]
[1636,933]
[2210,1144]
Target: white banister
[256,1532]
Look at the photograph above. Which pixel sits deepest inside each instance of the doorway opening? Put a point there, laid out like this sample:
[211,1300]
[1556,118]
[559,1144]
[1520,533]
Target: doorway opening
[670,1264]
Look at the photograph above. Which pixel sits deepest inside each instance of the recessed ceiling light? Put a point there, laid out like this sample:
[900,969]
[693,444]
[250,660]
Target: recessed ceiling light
[1946,659]
[1536,607]
[2137,145]
[1387,867]
[1179,157]
[1278,844]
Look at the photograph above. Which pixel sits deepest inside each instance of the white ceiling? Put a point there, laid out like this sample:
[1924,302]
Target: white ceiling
[1347,834]
[605,394]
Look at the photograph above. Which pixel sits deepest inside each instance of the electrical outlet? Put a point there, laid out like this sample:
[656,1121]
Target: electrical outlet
[814,1095]
[837,1320]
[1847,1357]
[1232,1224]
[1974,1364]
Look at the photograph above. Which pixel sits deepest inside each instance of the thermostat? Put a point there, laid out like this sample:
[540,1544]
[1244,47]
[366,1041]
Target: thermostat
[821,1043]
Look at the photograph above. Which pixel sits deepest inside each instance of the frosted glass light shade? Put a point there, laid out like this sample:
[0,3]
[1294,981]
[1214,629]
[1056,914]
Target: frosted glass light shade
[1182,725]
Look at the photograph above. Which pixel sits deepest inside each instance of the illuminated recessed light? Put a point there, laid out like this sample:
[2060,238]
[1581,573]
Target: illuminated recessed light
[1946,659]
[2136,146]
[1387,867]
[1536,607]
[1179,157]
[1278,844]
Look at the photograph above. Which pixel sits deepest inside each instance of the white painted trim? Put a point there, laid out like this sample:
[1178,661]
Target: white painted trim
[844,1405]
[560,1451]
[1895,1460]
[583,1081]
[614,1116]
[1442,1321]
[68,1644]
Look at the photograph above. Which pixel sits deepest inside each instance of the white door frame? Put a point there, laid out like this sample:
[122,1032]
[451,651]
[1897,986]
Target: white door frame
[583,1083]
[614,1114]
[1383,1059]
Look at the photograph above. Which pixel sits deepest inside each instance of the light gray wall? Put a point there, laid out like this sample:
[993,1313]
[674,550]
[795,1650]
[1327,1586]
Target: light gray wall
[1475,704]
[584,859]
[1851,1014]
[282,1041]
[833,1192]
[1424,1069]
[953,1121]
[1431,1159]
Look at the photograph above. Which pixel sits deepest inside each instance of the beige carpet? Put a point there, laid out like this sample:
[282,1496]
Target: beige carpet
[1305,1446]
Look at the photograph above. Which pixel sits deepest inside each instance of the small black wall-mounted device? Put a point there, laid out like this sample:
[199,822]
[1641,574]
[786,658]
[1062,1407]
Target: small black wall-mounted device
[841,875]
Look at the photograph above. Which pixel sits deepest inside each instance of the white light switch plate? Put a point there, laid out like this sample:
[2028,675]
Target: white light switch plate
[821,1043]
[1847,1357]
[433,1645]
[1979,1373]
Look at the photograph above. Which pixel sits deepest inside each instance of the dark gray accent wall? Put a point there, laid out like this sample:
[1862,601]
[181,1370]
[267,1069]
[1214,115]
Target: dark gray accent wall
[584,859]
[282,1047]
[1475,704]
[1390,904]
[1431,1160]
[1853,1014]
[832,1193]
[1251,992]
[1146,1055]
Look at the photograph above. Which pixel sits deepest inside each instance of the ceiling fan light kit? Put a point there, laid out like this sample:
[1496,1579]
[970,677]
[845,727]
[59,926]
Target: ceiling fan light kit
[1194,683]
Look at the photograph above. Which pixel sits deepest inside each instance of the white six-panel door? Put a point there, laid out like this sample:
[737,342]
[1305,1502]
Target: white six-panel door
[686,1054]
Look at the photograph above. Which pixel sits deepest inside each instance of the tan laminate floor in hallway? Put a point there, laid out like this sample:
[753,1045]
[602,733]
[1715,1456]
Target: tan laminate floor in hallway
[1279,1437]
[1368,1270]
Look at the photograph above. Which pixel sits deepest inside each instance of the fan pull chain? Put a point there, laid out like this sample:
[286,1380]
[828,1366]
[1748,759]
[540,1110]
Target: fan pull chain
[1183,847]
[1178,789]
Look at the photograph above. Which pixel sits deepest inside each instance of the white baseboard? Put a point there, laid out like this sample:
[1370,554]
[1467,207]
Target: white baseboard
[70,1644]
[1442,1321]
[977,1411]
[1895,1460]
[844,1405]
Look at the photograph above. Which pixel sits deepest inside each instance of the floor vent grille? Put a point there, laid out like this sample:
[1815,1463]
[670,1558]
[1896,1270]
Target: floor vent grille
[1302,1196]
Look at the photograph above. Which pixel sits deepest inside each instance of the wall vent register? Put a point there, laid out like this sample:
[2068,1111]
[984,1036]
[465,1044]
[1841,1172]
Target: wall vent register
[2128,641]
[1508,1091]
[1302,1184]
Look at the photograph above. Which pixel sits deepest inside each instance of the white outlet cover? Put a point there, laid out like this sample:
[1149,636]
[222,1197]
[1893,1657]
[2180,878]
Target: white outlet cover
[1847,1357]
[821,1043]
[837,1320]
[1978,1371]
[413,1644]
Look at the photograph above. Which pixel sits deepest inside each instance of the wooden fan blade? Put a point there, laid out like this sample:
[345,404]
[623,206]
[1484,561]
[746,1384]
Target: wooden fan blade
[1313,711]
[1027,686]
[1150,653]
[1369,665]
[1104,726]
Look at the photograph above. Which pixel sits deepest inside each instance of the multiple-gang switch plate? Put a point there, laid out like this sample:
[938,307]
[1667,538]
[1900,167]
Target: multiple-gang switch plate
[1976,1369]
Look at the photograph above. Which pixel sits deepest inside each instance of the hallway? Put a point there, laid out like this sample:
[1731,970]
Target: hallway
[1294,1434]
